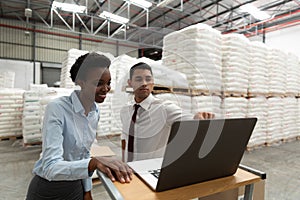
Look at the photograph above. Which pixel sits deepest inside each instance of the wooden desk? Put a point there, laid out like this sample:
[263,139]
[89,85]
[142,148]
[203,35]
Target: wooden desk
[138,190]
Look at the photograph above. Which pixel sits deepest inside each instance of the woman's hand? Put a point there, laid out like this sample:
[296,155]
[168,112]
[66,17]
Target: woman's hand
[87,196]
[112,166]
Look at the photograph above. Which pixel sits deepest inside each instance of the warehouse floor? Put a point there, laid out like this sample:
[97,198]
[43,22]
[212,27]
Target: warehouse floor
[281,163]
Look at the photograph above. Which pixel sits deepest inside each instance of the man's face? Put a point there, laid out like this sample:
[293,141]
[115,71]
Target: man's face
[142,84]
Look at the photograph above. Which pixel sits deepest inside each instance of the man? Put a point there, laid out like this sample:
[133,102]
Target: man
[153,120]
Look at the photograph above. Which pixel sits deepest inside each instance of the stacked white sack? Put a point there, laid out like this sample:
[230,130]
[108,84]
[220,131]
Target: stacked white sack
[32,116]
[196,52]
[65,79]
[119,70]
[7,79]
[290,118]
[277,71]
[165,76]
[183,101]
[11,109]
[235,63]
[257,107]
[207,104]
[234,107]
[104,124]
[274,119]
[258,72]
[292,74]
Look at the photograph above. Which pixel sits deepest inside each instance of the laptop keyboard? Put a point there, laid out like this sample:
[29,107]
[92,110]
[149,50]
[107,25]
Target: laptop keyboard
[155,173]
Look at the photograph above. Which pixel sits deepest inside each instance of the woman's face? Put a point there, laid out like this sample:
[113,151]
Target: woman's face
[96,85]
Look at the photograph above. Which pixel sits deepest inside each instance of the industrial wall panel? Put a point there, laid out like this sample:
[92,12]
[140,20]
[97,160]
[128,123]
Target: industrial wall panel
[99,45]
[50,44]
[56,41]
[49,55]
[129,49]
[19,52]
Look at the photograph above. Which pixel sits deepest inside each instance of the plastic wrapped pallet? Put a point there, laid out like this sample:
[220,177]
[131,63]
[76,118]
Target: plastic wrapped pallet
[160,72]
[7,79]
[207,104]
[11,109]
[235,63]
[35,102]
[277,71]
[234,107]
[290,115]
[105,122]
[119,70]
[292,75]
[196,52]
[257,107]
[258,72]
[274,120]
[32,117]
[67,63]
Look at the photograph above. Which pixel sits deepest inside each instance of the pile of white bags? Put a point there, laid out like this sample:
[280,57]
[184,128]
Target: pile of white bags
[258,70]
[11,110]
[257,107]
[235,63]
[7,79]
[196,52]
[277,71]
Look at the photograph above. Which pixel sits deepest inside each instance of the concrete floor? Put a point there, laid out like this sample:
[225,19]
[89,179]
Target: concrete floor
[281,163]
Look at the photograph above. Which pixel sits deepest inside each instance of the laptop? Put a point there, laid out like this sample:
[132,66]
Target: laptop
[197,151]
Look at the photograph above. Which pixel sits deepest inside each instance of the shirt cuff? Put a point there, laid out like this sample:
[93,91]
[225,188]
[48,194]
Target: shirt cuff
[87,184]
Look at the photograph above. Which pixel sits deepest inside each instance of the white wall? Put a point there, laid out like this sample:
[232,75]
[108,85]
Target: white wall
[287,39]
[23,72]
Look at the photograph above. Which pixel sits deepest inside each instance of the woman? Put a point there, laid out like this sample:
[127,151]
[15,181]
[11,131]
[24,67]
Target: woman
[65,168]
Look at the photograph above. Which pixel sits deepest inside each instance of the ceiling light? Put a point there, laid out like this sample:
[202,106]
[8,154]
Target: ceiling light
[140,3]
[255,12]
[68,7]
[164,3]
[114,18]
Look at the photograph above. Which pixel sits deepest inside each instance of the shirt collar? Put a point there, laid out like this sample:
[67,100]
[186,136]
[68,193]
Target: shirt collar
[77,103]
[145,104]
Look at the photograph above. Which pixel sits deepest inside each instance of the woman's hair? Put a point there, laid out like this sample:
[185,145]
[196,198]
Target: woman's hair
[86,62]
[139,65]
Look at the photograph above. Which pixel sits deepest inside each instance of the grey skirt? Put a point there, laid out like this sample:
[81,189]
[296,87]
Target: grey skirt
[40,188]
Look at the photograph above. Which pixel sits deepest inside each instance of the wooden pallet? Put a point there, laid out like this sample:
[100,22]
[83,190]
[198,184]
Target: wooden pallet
[13,137]
[256,94]
[270,95]
[256,146]
[233,94]
[32,144]
[274,143]
[290,94]
[159,89]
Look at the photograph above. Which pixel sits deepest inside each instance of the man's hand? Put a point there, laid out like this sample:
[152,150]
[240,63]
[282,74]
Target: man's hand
[110,165]
[204,115]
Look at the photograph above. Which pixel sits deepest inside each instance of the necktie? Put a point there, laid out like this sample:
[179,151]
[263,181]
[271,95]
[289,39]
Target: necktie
[131,134]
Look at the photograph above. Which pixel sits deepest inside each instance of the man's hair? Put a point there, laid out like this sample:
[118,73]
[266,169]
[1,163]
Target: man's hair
[139,65]
[86,62]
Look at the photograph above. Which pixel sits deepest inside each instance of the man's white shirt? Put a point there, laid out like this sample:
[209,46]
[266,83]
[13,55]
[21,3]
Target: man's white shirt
[152,128]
